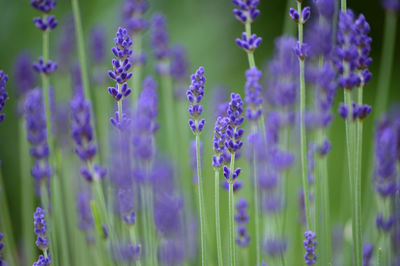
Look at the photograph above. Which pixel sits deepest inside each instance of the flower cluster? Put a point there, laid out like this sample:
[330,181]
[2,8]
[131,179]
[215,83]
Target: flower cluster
[253,97]
[368,250]
[310,244]
[23,75]
[45,6]
[42,261]
[391,5]
[37,135]
[145,124]
[121,65]
[352,51]
[84,214]
[2,262]
[97,44]
[301,49]
[242,219]
[219,139]
[247,10]
[249,43]
[133,15]
[179,69]
[42,242]
[3,93]
[45,68]
[159,37]
[235,116]
[195,94]
[359,111]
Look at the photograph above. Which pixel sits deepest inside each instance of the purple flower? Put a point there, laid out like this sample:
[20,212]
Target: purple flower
[2,262]
[367,253]
[126,252]
[49,23]
[97,44]
[3,93]
[42,242]
[85,218]
[45,67]
[305,15]
[195,94]
[144,122]
[121,65]
[235,115]
[391,5]
[179,63]
[132,15]
[42,261]
[219,139]
[275,247]
[44,6]
[247,10]
[249,44]
[242,219]
[352,51]
[167,213]
[159,37]
[37,136]
[310,244]
[301,51]
[283,73]
[242,237]
[253,97]
[236,186]
[23,75]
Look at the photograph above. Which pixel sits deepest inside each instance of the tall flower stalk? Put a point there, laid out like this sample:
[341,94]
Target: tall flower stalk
[233,144]
[194,95]
[353,60]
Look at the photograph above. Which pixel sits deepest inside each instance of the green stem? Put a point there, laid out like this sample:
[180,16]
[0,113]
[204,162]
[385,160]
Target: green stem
[201,201]
[217,218]
[145,224]
[27,193]
[5,222]
[385,68]
[231,216]
[256,204]
[168,104]
[380,263]
[81,48]
[303,142]
[344,5]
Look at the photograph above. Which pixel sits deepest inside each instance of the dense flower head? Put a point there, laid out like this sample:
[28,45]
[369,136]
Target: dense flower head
[97,44]
[195,94]
[283,73]
[275,247]
[352,51]
[44,6]
[45,68]
[359,111]
[37,135]
[42,242]
[121,65]
[132,15]
[386,138]
[81,129]
[391,5]
[144,122]
[247,10]
[253,97]
[3,93]
[42,261]
[219,139]
[367,253]
[84,212]
[249,43]
[179,63]
[310,244]
[235,116]
[167,213]
[23,75]
[49,23]
[159,37]
[2,262]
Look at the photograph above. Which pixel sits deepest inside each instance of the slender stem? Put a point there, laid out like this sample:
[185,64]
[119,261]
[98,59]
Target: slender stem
[357,183]
[5,222]
[380,256]
[385,68]
[256,204]
[250,55]
[145,224]
[201,201]
[81,48]
[344,5]
[303,141]
[217,218]
[231,216]
[27,196]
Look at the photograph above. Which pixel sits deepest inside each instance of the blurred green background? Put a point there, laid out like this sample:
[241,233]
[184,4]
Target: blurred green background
[208,29]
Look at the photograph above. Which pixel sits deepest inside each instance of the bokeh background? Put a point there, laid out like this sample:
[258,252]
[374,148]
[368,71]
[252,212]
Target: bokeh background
[207,29]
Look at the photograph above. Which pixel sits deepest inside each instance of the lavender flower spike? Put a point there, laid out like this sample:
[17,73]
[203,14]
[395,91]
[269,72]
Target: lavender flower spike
[194,95]
[242,219]
[249,43]
[3,93]
[310,245]
[2,262]
[253,97]
[42,242]
[47,23]
[247,10]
